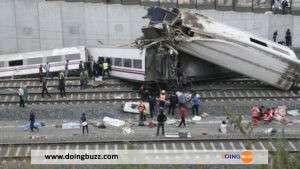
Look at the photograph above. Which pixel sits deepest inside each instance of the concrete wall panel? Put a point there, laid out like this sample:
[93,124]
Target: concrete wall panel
[8,42]
[29,25]
[50,25]
[73,24]
[96,24]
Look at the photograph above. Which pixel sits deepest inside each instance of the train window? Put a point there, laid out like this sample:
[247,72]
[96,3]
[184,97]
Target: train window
[73,56]
[137,63]
[54,59]
[127,63]
[258,42]
[1,64]
[118,62]
[15,63]
[32,61]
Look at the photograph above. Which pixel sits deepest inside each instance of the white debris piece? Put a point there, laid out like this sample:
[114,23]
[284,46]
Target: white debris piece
[171,121]
[70,125]
[196,118]
[293,112]
[127,130]
[132,107]
[98,79]
[113,122]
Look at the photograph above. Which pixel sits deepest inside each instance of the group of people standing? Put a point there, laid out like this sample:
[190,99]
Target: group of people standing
[169,102]
[288,38]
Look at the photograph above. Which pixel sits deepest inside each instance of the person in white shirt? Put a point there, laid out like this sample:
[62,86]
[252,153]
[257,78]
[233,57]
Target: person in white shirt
[223,127]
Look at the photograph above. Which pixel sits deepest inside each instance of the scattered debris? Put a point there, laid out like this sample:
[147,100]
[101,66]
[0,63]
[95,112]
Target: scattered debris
[179,135]
[171,121]
[132,107]
[270,131]
[127,130]
[100,125]
[70,125]
[113,121]
[204,115]
[38,138]
[151,124]
[293,112]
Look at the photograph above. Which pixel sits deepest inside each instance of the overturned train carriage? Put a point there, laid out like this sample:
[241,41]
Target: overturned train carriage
[233,49]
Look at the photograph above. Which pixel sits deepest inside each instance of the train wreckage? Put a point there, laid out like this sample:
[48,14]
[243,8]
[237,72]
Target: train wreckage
[171,32]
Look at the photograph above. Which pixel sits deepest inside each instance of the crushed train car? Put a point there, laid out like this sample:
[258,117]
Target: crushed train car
[176,31]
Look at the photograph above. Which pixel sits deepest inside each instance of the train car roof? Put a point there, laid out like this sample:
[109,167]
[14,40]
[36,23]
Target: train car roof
[42,53]
[115,52]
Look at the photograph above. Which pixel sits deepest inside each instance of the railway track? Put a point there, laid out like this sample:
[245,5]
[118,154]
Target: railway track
[119,91]
[21,152]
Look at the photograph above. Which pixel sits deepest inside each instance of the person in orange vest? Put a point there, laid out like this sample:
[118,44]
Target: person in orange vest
[255,112]
[141,109]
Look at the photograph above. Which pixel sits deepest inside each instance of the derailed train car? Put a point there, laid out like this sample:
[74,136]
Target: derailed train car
[233,49]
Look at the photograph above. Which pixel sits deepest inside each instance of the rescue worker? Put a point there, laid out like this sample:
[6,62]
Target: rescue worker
[152,103]
[288,38]
[95,69]
[141,109]
[223,127]
[61,84]
[162,99]
[195,104]
[105,69]
[20,92]
[81,69]
[82,80]
[100,66]
[255,115]
[32,121]
[47,69]
[84,123]
[284,4]
[67,68]
[86,78]
[41,73]
[173,102]
[161,119]
[45,88]
[275,36]
[183,112]
[182,99]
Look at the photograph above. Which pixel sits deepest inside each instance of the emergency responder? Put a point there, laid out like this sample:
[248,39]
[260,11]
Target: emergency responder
[141,108]
[61,84]
[20,92]
[183,112]
[41,73]
[105,69]
[162,99]
[173,102]
[255,111]
[161,118]
[45,88]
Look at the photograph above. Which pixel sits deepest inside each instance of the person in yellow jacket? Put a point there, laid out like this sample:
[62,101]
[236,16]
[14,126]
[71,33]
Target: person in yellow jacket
[105,67]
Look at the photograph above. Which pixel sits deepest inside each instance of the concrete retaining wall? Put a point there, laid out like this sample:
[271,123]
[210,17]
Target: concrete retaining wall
[30,25]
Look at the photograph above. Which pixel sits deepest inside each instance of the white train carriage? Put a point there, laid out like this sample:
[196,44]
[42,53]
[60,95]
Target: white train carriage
[127,63]
[28,63]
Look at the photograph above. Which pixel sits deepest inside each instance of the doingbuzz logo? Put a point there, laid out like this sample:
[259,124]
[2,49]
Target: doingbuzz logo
[246,156]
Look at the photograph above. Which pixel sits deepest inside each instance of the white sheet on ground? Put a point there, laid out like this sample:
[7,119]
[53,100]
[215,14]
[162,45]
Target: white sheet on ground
[132,107]
[127,130]
[196,118]
[113,122]
[70,125]
[293,112]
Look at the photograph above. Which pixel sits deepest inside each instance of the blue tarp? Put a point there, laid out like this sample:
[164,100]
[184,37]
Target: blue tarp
[36,124]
